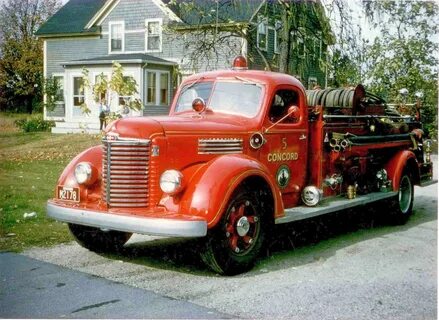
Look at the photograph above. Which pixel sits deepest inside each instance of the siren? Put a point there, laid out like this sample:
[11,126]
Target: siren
[240,63]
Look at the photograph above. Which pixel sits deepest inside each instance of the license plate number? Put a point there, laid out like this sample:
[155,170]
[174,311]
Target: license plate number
[68,194]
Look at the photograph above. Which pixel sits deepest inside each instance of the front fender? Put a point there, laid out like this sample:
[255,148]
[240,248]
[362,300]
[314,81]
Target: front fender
[212,185]
[398,163]
[92,155]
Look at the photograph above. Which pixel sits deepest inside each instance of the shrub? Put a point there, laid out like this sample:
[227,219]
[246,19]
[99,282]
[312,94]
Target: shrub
[34,124]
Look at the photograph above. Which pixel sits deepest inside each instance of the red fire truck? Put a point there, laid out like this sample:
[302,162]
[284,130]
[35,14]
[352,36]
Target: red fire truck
[241,151]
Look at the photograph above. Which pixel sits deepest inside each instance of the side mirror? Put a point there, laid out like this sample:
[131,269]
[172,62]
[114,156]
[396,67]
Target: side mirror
[198,105]
[294,113]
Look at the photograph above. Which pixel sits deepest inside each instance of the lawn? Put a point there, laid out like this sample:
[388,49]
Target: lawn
[30,164]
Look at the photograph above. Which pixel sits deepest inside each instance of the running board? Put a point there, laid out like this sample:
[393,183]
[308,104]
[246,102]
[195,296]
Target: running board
[427,183]
[332,205]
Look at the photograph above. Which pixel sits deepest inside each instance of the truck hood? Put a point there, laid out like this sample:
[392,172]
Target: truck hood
[145,127]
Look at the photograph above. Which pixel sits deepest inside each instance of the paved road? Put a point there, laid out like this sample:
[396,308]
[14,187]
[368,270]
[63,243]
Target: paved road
[33,289]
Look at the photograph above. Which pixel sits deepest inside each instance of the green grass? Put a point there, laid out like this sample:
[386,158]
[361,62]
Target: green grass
[30,164]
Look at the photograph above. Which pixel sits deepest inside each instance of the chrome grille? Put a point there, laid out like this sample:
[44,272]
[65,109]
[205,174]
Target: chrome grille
[125,172]
[219,146]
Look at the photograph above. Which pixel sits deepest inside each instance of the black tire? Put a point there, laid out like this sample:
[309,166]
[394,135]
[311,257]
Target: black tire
[402,204]
[99,241]
[234,244]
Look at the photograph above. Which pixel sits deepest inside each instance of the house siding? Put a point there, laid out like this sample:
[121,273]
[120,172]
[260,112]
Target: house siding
[63,50]
[134,42]
[68,49]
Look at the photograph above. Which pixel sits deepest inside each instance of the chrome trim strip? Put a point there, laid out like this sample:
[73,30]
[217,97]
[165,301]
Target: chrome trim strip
[135,224]
[129,140]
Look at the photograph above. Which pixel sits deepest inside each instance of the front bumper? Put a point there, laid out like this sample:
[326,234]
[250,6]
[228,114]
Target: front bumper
[179,226]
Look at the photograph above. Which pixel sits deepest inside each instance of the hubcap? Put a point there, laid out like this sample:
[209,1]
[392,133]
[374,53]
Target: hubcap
[405,194]
[243,226]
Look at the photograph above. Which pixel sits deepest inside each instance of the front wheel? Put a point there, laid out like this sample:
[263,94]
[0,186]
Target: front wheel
[233,246]
[97,240]
[403,202]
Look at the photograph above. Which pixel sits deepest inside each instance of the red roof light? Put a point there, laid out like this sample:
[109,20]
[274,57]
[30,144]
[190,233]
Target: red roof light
[239,63]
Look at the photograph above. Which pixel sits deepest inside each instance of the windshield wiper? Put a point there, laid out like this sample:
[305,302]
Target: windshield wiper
[194,83]
[247,81]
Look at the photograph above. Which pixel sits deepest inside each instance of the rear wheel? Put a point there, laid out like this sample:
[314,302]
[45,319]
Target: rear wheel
[403,202]
[97,240]
[233,246]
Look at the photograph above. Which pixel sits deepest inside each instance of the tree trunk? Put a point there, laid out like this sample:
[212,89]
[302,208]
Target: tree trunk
[284,46]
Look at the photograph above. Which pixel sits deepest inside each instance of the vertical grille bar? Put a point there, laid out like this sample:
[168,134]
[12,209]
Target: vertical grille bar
[108,181]
[125,172]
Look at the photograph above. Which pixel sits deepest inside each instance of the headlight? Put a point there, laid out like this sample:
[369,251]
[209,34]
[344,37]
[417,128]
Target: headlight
[171,181]
[83,173]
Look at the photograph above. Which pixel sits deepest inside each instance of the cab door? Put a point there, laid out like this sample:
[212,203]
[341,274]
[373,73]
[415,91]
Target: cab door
[286,135]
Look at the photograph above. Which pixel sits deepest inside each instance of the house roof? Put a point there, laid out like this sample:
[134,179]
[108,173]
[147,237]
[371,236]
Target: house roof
[78,17]
[202,12]
[71,19]
[131,58]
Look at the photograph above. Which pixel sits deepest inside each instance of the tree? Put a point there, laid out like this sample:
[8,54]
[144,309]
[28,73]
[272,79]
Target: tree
[125,87]
[347,54]
[215,32]
[405,53]
[21,62]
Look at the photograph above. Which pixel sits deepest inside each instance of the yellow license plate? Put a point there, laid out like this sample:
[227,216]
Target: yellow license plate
[68,193]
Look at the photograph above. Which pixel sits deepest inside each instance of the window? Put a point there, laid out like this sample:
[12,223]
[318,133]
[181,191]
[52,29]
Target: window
[282,101]
[117,32]
[190,92]
[262,34]
[125,100]
[277,38]
[241,98]
[164,90]
[78,91]
[101,80]
[157,88]
[78,96]
[153,35]
[151,97]
[59,98]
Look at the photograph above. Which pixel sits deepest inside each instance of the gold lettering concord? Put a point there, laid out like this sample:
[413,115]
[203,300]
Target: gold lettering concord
[282,156]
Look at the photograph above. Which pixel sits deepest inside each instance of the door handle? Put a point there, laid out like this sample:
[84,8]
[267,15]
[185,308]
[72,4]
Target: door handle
[302,137]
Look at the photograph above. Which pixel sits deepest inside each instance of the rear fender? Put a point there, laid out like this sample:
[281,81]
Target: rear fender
[213,183]
[395,167]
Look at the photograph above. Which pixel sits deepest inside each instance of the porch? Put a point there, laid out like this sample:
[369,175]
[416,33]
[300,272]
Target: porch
[154,85]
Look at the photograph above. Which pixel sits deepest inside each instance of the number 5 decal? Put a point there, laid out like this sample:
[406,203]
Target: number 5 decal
[284,143]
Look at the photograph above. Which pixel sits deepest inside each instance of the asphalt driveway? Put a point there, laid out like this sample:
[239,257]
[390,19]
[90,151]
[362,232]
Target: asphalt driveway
[34,289]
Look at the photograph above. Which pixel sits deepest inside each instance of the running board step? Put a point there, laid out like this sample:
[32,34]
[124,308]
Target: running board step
[332,205]
[427,183]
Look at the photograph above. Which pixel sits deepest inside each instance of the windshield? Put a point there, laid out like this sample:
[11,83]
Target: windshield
[243,98]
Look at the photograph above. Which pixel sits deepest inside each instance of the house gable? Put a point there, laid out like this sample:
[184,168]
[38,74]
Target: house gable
[200,12]
[133,14]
